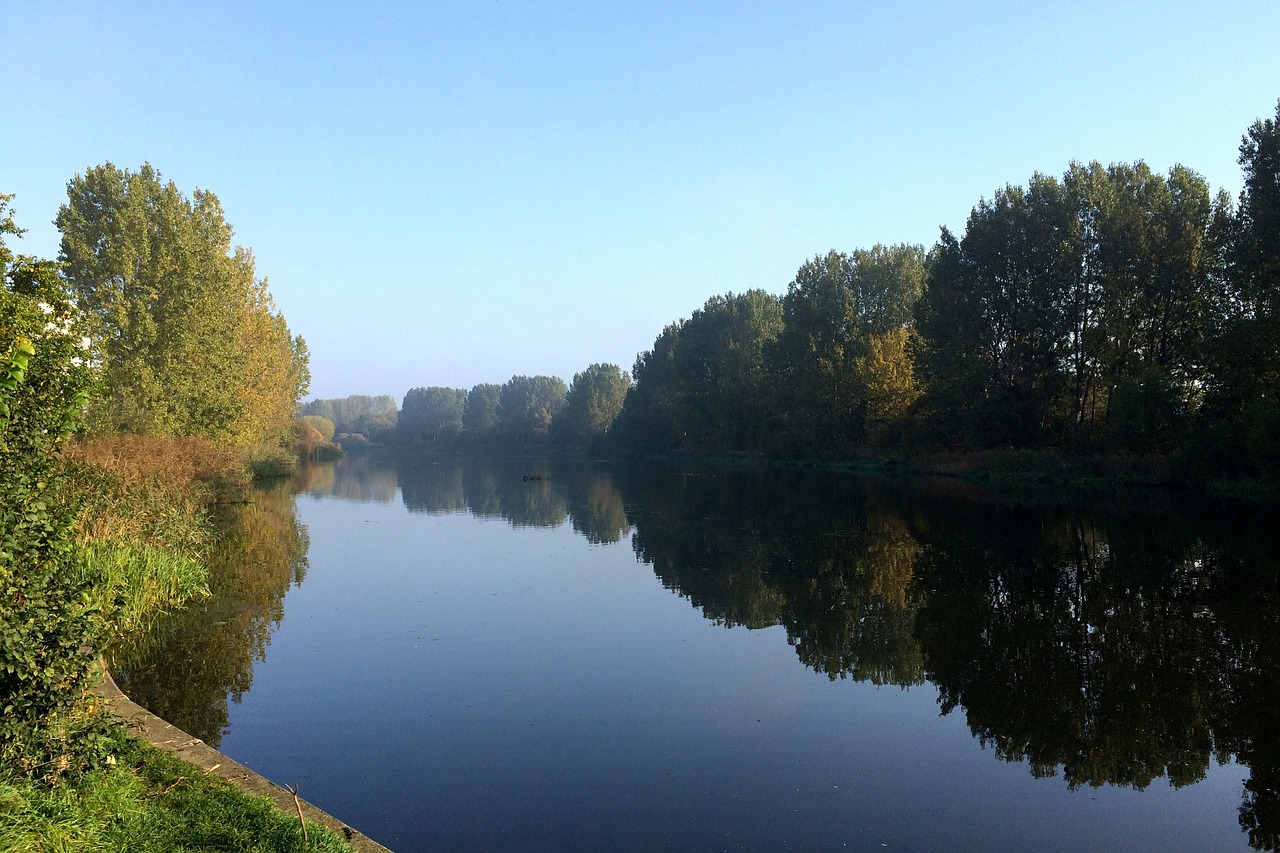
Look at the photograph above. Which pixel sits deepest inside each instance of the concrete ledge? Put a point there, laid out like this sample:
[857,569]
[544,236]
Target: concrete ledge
[157,732]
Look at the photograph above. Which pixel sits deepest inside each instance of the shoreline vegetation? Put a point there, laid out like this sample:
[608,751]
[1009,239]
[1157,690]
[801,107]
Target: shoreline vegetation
[144,529]
[1113,324]
[145,378]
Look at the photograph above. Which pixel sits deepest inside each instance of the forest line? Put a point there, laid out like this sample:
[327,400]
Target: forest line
[1108,310]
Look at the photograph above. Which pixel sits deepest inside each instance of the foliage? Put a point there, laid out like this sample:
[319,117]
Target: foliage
[1243,387]
[431,415]
[213,643]
[886,376]
[480,412]
[313,439]
[323,426]
[1061,293]
[1112,310]
[842,317]
[593,403]
[136,582]
[527,405]
[370,417]
[49,627]
[191,341]
[702,386]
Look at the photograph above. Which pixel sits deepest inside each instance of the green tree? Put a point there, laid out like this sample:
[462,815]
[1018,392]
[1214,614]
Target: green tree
[702,385]
[994,316]
[192,343]
[651,418]
[360,414]
[480,413]
[593,403]
[431,414]
[823,360]
[1147,245]
[528,405]
[1243,387]
[1074,311]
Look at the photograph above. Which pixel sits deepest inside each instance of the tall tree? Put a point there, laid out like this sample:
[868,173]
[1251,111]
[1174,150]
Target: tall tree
[358,413]
[192,343]
[1243,393]
[431,414]
[702,385]
[1074,311]
[528,405]
[994,318]
[834,308]
[480,413]
[593,403]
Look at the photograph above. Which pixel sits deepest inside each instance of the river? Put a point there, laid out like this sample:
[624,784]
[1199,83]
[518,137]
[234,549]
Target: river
[519,654]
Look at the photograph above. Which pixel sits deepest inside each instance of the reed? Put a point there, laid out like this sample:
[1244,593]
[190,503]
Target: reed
[151,490]
[144,526]
[136,582]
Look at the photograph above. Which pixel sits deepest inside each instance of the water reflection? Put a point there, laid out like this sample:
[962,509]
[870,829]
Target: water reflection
[193,661]
[1115,644]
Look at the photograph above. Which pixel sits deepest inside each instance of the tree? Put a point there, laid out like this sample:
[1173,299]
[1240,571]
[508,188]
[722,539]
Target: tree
[192,343]
[1243,386]
[357,414]
[528,405]
[594,400]
[323,426]
[480,413]
[1061,299]
[1146,244]
[886,376]
[702,385]
[836,305]
[431,414]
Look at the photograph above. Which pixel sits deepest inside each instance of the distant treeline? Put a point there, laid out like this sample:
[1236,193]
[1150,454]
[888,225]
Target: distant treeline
[1112,309]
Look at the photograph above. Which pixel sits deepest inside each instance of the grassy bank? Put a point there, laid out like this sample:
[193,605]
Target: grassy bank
[144,531]
[147,800]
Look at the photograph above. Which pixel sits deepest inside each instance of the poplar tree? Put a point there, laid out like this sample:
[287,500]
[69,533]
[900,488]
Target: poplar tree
[191,342]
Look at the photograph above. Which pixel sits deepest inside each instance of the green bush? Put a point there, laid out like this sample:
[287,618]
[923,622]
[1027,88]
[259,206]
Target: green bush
[49,626]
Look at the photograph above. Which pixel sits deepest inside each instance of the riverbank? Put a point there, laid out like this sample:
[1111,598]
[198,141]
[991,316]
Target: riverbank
[139,513]
[1024,470]
[203,758]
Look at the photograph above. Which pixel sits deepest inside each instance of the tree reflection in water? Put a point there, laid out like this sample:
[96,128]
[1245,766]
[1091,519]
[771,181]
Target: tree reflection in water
[194,660]
[1111,644]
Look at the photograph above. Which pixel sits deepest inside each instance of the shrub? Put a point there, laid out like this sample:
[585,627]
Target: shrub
[49,628]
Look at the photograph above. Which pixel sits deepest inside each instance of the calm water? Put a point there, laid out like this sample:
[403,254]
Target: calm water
[451,656]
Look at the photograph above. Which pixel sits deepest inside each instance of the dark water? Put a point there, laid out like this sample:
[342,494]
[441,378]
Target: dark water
[451,656]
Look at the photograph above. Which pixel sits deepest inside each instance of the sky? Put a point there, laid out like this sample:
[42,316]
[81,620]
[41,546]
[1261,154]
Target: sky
[450,193]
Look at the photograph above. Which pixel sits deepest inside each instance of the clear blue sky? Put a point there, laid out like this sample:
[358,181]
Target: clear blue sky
[451,193]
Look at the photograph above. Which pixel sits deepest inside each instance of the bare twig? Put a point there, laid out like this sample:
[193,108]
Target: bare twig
[293,789]
[173,785]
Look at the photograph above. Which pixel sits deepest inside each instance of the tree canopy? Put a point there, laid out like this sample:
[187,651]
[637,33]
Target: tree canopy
[191,342]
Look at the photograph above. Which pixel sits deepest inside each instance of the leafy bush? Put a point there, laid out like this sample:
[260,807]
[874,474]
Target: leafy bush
[49,628]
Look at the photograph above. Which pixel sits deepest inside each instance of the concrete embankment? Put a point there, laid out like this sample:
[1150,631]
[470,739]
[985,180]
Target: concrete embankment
[159,733]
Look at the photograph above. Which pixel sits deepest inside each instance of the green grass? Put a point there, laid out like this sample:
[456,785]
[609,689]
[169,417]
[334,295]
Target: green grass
[148,800]
[136,582]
